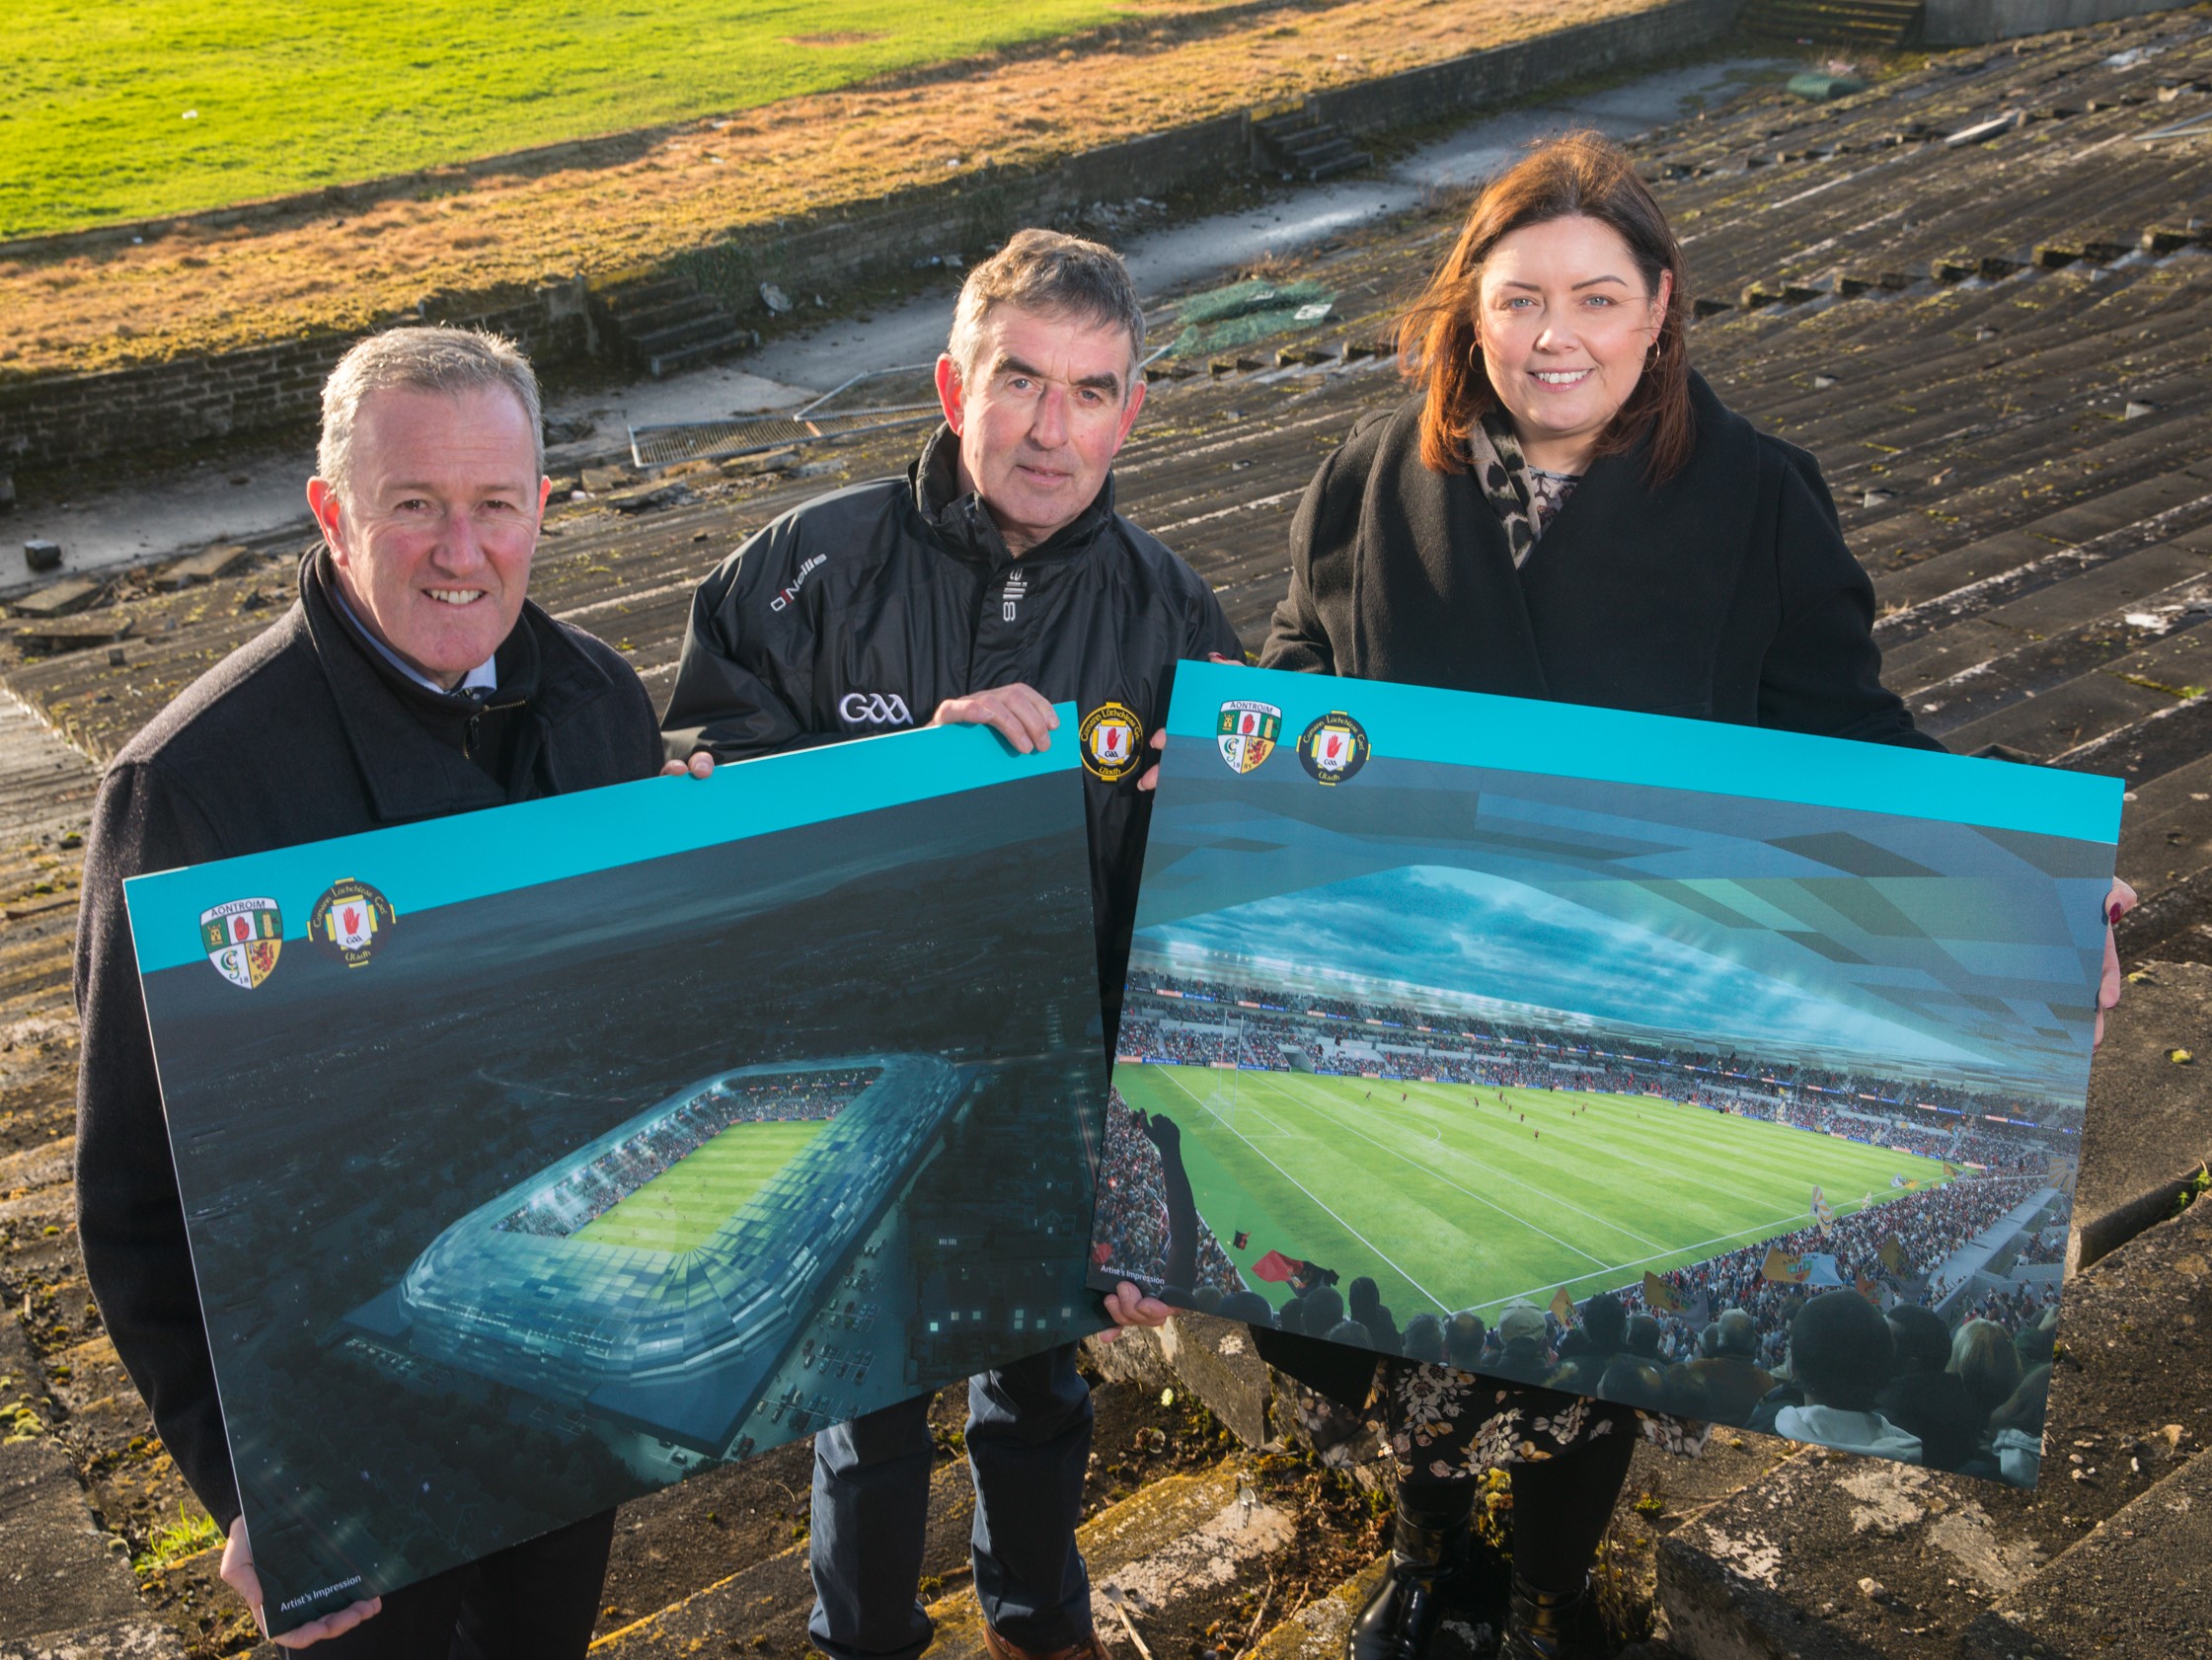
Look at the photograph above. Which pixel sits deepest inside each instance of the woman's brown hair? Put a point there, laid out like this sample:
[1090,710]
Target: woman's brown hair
[1582,173]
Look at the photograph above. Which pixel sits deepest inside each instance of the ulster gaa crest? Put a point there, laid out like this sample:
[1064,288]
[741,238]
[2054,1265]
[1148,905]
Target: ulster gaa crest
[242,939]
[1334,748]
[1113,740]
[351,920]
[1248,733]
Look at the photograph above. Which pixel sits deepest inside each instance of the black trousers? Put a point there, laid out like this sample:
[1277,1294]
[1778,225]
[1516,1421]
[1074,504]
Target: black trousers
[1028,1443]
[533,1601]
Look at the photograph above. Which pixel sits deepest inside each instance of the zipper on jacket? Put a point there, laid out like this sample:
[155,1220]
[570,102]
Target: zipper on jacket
[473,731]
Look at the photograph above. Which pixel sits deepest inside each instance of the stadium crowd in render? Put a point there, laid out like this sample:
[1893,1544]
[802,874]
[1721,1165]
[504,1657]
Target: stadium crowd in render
[1967,1385]
[1250,1027]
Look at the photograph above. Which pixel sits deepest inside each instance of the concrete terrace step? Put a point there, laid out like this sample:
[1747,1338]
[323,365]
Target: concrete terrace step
[1867,23]
[2135,1585]
[700,350]
[1836,1557]
[1307,146]
[132,1638]
[762,1607]
[2149,1124]
[1175,1545]
[59,1571]
[671,323]
[1321,1630]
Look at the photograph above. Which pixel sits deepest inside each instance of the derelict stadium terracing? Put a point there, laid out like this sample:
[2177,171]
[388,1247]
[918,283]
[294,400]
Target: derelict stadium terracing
[674,1343]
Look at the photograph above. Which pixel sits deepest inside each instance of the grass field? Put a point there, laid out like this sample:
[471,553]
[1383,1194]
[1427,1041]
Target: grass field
[679,1209]
[1451,1201]
[289,95]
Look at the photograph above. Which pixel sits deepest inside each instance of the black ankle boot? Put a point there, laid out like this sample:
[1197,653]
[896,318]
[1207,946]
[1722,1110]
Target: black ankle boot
[1427,1547]
[1544,1625]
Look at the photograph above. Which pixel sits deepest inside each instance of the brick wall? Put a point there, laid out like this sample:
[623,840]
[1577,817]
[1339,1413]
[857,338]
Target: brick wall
[53,421]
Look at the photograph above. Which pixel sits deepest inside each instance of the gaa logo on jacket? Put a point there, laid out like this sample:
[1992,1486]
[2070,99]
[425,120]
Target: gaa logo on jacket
[242,939]
[1113,740]
[351,920]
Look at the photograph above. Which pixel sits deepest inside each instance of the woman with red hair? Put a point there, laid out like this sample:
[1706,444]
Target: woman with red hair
[1563,510]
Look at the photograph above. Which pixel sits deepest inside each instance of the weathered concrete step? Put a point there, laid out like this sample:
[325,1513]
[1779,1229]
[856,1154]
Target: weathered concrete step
[2149,583]
[1157,1553]
[2136,1585]
[132,1638]
[1836,1557]
[2149,1123]
[762,1608]
[700,351]
[1320,1629]
[59,1573]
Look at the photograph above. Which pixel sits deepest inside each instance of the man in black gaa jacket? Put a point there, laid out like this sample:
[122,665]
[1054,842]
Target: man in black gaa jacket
[411,680]
[992,582]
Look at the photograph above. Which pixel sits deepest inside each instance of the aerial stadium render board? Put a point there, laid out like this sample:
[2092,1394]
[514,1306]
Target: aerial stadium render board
[529,1289]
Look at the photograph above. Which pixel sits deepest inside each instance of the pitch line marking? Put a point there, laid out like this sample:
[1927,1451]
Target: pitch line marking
[1622,1268]
[1517,1221]
[1501,1175]
[1441,1307]
[1606,1222]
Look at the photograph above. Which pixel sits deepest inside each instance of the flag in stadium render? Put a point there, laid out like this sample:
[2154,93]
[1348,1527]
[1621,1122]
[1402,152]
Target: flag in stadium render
[553,1154]
[1486,1003]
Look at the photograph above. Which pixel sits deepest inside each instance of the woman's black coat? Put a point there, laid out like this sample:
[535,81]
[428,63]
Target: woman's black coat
[1725,593]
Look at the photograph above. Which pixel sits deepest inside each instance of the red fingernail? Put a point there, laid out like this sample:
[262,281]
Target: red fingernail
[2114,912]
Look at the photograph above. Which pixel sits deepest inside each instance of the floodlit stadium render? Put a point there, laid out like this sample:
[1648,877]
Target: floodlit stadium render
[526,1291]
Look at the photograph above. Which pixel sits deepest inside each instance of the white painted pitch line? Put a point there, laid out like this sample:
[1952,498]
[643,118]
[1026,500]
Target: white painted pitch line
[1442,1306]
[1641,1238]
[1780,1224]
[1518,1221]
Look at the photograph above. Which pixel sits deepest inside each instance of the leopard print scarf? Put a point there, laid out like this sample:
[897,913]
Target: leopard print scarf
[1525,499]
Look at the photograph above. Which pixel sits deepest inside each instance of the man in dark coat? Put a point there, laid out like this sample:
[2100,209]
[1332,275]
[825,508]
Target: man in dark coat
[411,680]
[992,582]
[1730,1382]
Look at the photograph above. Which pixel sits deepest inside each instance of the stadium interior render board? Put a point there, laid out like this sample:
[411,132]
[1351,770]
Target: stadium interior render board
[1453,1201]
[657,1274]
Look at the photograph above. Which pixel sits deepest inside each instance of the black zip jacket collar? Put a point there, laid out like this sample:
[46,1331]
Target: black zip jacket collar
[965,526]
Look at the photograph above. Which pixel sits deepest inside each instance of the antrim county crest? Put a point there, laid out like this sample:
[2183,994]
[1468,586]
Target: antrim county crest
[1248,733]
[242,939]
[351,920]
[1113,741]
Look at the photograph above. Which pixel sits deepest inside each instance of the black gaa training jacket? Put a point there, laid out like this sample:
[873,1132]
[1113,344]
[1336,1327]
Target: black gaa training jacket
[861,612]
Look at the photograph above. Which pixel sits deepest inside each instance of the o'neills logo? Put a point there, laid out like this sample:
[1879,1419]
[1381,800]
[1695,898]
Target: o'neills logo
[1334,748]
[351,920]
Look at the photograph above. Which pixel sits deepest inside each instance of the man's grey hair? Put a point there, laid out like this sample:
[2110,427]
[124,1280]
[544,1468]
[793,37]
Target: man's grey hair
[1738,1333]
[434,358]
[1056,275]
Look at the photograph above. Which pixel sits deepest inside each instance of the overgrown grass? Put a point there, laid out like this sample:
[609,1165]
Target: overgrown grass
[124,109]
[188,1535]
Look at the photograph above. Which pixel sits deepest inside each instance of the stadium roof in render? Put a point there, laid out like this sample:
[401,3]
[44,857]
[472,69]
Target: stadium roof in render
[676,1343]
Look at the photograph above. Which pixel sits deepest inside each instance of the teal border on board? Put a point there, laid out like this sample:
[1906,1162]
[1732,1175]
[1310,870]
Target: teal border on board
[447,861]
[1572,741]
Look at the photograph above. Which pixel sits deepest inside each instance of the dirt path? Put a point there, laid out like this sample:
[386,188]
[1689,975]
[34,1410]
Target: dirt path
[198,289]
